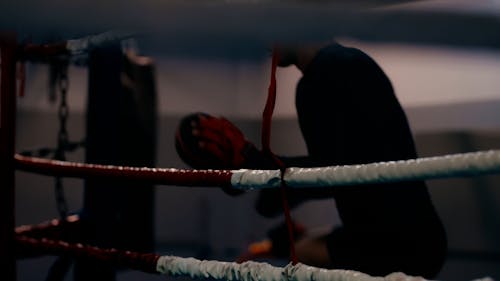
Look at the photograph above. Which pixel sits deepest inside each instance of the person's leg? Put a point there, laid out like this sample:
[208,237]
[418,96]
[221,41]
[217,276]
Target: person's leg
[313,251]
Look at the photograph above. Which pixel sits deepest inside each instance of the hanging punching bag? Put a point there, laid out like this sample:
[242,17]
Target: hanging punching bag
[121,130]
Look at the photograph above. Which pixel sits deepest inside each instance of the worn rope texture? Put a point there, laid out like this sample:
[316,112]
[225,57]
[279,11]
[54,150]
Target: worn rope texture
[455,165]
[27,246]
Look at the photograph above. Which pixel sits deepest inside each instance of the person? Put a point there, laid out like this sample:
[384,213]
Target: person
[348,114]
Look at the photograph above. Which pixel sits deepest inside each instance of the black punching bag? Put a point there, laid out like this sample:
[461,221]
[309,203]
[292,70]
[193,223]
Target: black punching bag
[121,130]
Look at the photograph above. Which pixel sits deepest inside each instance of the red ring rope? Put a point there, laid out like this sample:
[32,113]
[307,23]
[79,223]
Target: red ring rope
[27,246]
[57,229]
[206,178]
[266,148]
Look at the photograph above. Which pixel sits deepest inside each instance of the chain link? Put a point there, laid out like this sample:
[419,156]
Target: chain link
[62,140]
[59,84]
[62,137]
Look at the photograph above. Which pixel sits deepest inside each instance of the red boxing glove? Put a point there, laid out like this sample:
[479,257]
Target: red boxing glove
[208,142]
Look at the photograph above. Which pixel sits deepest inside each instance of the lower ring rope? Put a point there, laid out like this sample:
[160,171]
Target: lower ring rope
[194,268]
[53,229]
[178,266]
[27,246]
[257,271]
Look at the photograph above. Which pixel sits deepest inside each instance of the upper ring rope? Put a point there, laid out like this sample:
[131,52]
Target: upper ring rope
[168,176]
[454,165]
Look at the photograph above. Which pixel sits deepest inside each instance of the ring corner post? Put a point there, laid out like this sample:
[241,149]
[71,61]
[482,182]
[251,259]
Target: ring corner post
[8,54]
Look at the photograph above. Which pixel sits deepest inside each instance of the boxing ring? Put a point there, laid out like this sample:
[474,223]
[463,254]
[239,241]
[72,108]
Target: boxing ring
[28,241]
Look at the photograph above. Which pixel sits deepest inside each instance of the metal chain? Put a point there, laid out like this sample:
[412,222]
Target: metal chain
[62,137]
[58,80]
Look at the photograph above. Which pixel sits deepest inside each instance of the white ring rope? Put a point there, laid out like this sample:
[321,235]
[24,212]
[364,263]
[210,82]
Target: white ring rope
[455,165]
[256,271]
